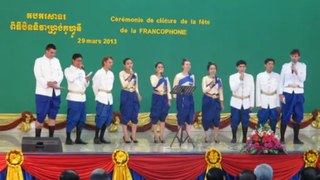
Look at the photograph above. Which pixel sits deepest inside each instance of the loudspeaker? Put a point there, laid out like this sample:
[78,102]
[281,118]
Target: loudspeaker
[41,144]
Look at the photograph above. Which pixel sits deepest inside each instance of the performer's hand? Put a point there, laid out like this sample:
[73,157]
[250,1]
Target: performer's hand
[251,108]
[87,78]
[169,102]
[279,110]
[139,98]
[222,106]
[241,76]
[51,84]
[55,86]
[282,99]
[294,69]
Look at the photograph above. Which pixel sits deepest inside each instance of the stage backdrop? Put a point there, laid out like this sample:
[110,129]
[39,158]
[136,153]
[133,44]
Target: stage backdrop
[152,30]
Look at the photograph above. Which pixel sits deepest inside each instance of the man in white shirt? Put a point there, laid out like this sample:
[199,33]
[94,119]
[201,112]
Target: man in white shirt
[102,84]
[77,84]
[267,95]
[48,74]
[242,100]
[292,77]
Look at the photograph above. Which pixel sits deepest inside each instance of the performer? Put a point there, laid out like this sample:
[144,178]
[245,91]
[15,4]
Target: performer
[292,77]
[161,101]
[212,102]
[48,74]
[267,95]
[102,84]
[185,103]
[77,84]
[129,100]
[242,100]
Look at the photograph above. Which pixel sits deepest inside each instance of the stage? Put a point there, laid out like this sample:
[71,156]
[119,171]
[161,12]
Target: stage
[11,139]
[15,126]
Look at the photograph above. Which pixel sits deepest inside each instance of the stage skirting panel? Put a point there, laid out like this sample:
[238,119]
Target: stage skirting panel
[121,165]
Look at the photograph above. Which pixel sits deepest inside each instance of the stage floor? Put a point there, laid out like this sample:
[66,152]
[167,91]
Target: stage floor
[12,139]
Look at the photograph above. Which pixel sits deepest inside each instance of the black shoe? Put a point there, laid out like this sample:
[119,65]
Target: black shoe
[69,141]
[102,140]
[96,141]
[206,140]
[297,141]
[155,140]
[296,128]
[283,128]
[244,133]
[79,141]
[51,130]
[217,141]
[161,140]
[134,140]
[38,132]
[125,140]
[234,135]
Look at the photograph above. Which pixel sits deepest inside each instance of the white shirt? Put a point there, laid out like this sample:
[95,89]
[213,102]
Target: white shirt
[161,88]
[267,83]
[242,88]
[46,70]
[102,81]
[216,89]
[287,78]
[77,84]
[133,83]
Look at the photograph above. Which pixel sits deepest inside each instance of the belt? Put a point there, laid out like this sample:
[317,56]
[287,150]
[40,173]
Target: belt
[160,92]
[131,89]
[105,91]
[241,97]
[76,92]
[293,86]
[269,93]
[214,96]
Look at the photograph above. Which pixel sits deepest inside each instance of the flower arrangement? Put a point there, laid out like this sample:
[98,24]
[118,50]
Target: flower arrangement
[263,141]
